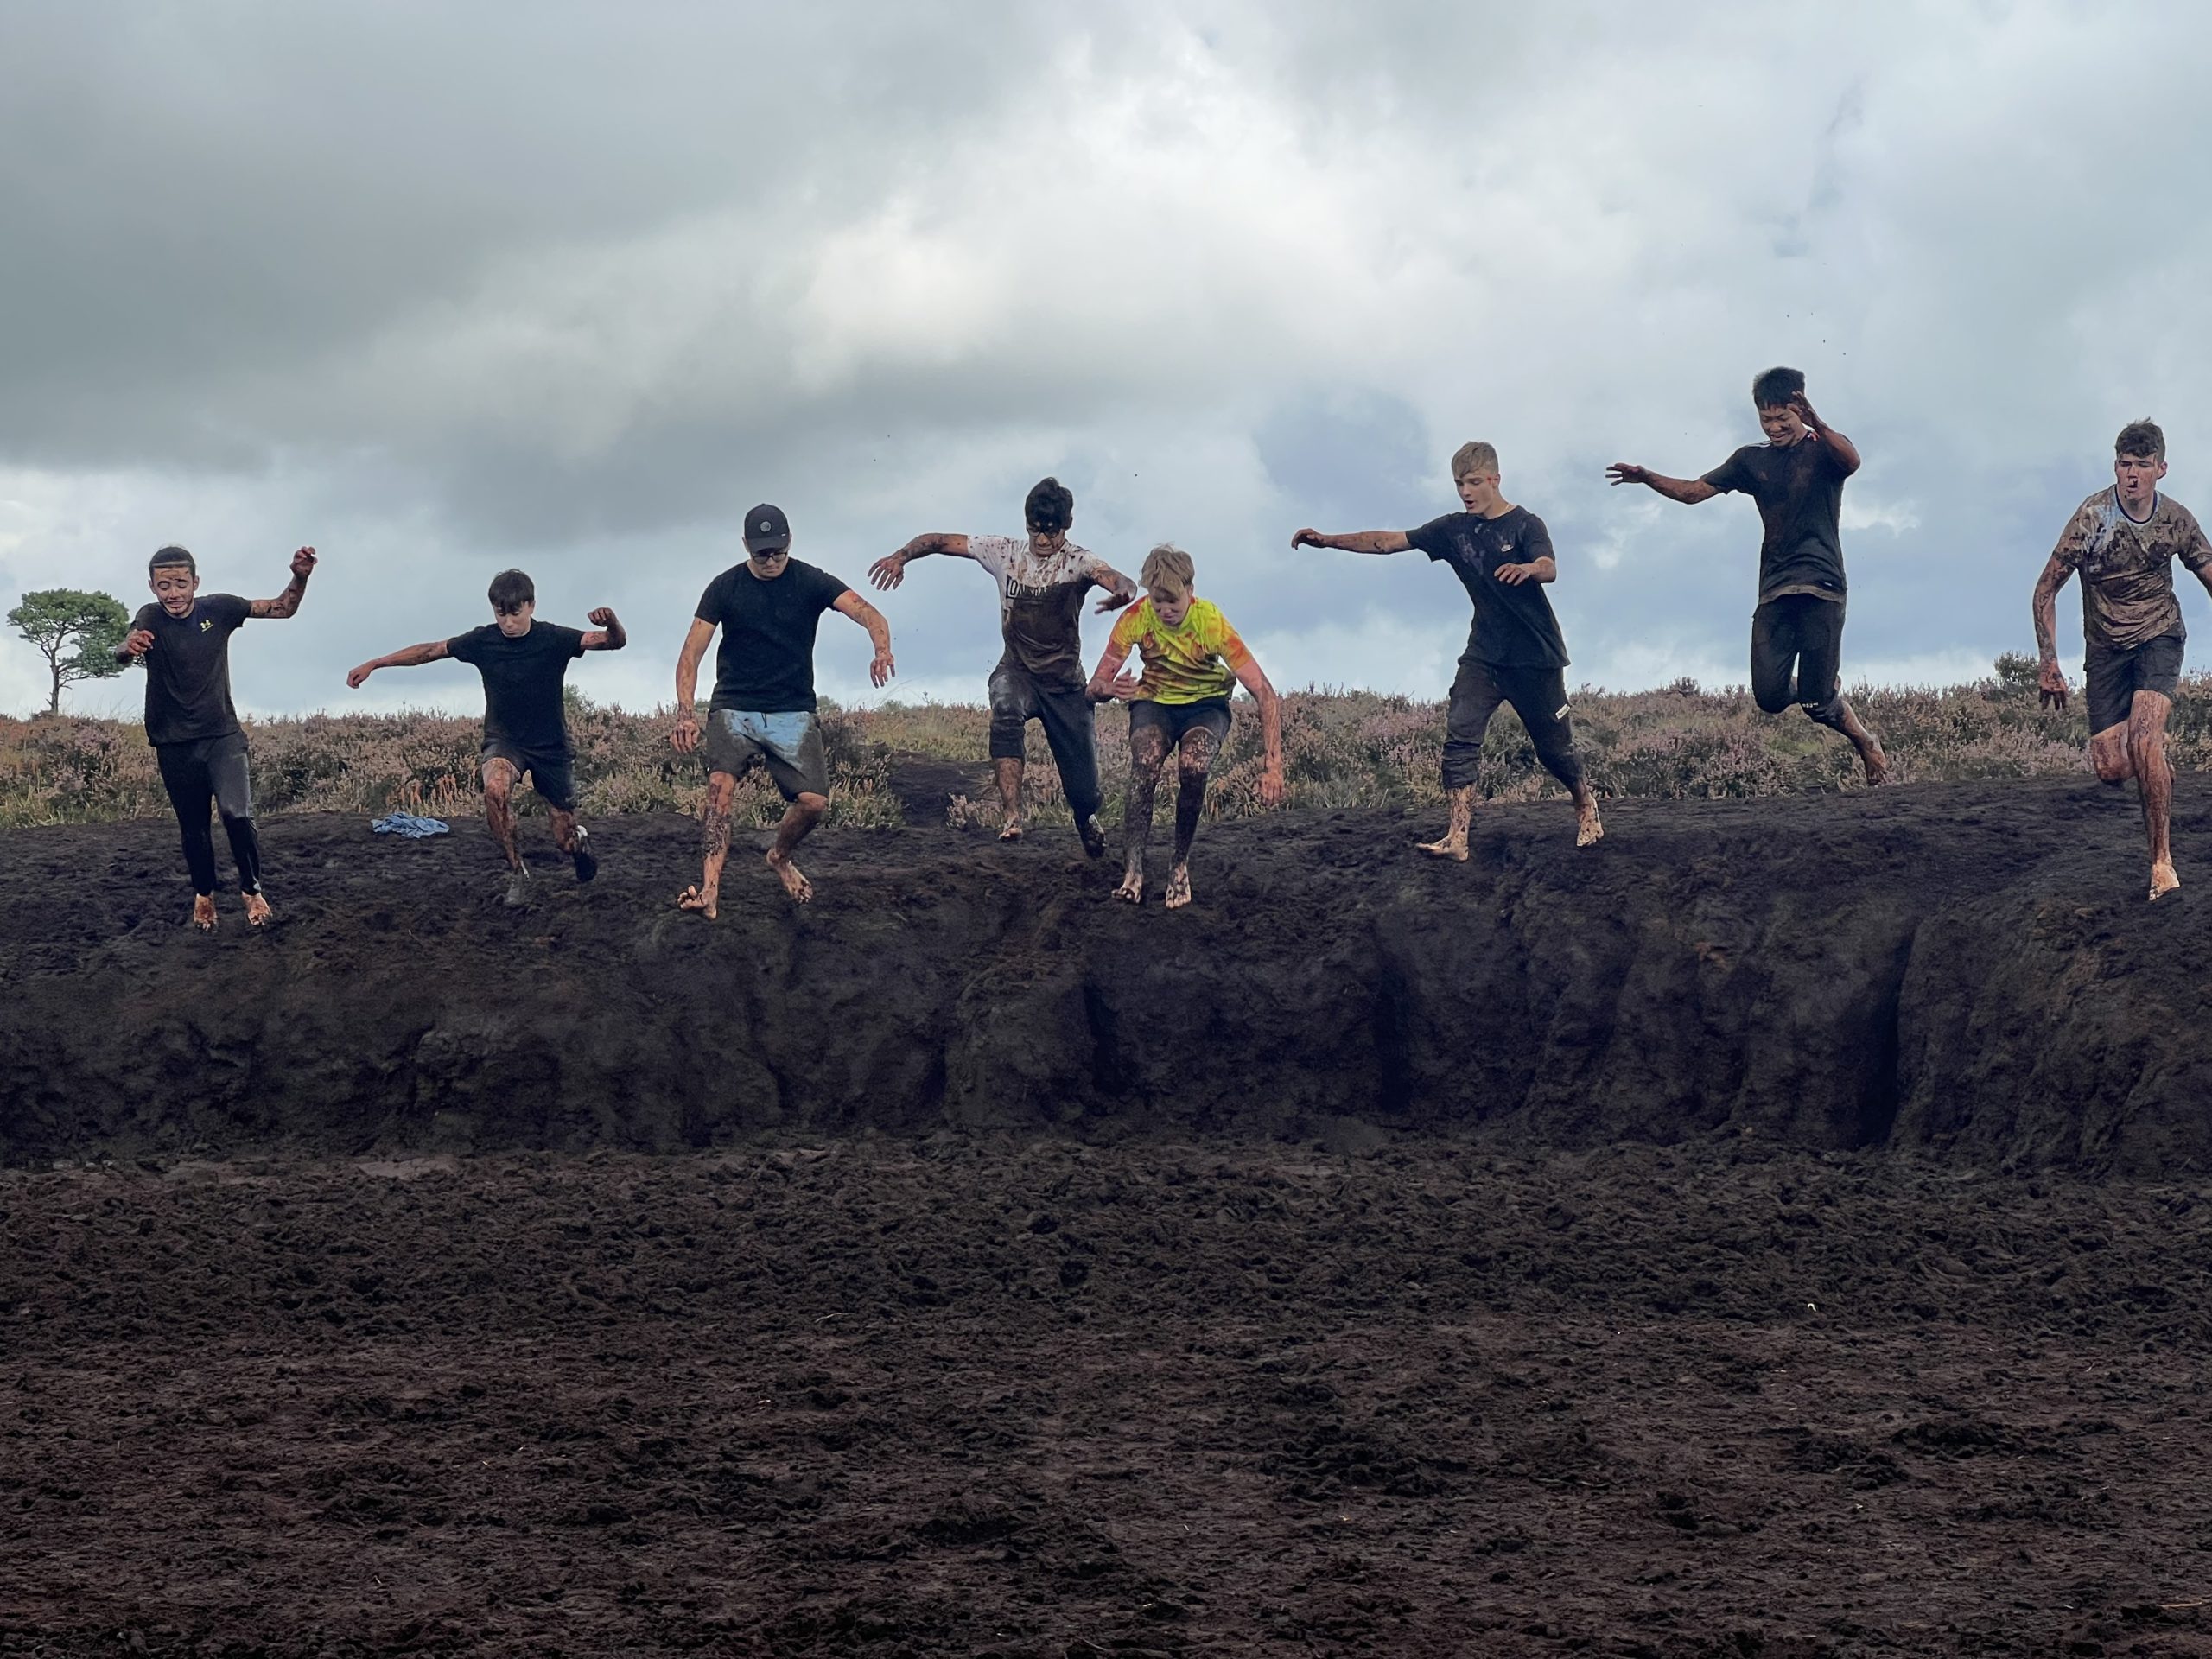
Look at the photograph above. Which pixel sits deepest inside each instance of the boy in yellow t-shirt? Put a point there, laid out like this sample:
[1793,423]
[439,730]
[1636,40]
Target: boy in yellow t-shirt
[1192,659]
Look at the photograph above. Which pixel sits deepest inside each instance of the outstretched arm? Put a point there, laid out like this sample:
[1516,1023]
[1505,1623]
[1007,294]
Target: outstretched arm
[430,650]
[889,571]
[1109,681]
[685,737]
[608,634]
[287,602]
[1249,676]
[1687,491]
[849,603]
[1846,452]
[2051,679]
[1358,541]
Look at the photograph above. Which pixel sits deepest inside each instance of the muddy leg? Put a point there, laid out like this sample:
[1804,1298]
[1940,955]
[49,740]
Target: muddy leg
[713,836]
[2154,781]
[1191,766]
[1147,754]
[1590,829]
[1871,755]
[800,819]
[1453,842]
[1009,776]
[500,780]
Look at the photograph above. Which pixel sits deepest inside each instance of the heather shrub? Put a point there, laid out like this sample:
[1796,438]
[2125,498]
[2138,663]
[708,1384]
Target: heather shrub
[1340,749]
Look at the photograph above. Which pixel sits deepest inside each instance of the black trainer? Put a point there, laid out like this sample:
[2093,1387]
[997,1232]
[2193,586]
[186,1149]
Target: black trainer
[1094,836]
[587,866]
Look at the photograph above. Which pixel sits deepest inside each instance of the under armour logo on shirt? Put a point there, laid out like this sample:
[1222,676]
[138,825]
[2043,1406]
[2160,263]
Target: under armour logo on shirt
[205,623]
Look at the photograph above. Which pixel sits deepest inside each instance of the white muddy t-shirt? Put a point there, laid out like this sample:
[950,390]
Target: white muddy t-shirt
[1040,603]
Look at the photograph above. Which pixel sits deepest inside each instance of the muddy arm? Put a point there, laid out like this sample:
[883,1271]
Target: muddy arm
[849,603]
[430,650]
[1358,541]
[2051,679]
[890,570]
[1253,679]
[287,603]
[1108,683]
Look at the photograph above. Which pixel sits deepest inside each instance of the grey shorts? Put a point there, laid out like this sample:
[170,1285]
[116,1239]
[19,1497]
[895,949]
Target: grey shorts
[788,744]
[552,771]
[2114,676]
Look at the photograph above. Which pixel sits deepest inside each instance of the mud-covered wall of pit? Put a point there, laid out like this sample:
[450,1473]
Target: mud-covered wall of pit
[1847,992]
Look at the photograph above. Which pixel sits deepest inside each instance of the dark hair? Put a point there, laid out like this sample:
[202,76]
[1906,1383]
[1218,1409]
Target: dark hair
[510,591]
[171,556]
[1774,388]
[1051,506]
[2140,438]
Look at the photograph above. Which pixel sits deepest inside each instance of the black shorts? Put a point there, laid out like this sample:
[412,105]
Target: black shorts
[1071,721]
[1538,696]
[552,772]
[787,742]
[1798,656]
[1211,714]
[2115,676]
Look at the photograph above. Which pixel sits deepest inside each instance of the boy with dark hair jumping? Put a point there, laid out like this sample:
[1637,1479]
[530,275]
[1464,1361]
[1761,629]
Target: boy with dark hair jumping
[1796,477]
[185,642]
[1041,583]
[525,664]
[1192,658]
[1503,556]
[2124,541]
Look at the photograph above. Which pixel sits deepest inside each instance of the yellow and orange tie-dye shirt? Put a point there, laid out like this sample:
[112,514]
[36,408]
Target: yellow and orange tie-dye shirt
[1190,663]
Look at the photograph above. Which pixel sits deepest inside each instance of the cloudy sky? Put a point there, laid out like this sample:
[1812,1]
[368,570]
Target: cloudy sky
[443,288]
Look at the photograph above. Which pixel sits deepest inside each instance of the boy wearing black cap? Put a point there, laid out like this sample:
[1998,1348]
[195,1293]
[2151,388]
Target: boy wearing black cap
[763,708]
[185,642]
[525,664]
[1796,478]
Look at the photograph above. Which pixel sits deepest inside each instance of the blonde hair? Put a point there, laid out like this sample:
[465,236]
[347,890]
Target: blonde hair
[1168,566]
[1478,457]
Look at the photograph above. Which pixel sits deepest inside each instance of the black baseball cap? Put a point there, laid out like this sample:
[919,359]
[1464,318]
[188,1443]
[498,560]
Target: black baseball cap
[767,529]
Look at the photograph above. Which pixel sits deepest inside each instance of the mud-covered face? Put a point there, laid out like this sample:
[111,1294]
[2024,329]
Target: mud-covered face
[2138,478]
[1171,605]
[1780,424]
[174,585]
[516,623]
[1477,491]
[1047,543]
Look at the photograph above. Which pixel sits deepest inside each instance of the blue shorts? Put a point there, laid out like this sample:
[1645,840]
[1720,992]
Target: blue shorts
[788,743]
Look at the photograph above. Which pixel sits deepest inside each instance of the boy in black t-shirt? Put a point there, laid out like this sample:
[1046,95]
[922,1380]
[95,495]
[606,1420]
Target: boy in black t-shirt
[185,642]
[1796,478]
[1503,556]
[763,709]
[525,664]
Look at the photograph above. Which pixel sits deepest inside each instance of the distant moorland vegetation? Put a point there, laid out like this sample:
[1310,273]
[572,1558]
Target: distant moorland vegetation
[1350,748]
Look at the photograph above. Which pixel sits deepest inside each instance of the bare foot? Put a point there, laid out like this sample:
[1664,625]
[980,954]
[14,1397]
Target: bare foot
[702,903]
[203,913]
[1449,847]
[1178,887]
[1590,829]
[1010,831]
[2163,881]
[256,909]
[1876,761]
[798,885]
[1132,888]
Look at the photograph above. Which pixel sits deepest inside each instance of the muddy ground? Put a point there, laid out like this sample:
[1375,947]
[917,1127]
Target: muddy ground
[1780,1231]
[1969,969]
[1007,1396]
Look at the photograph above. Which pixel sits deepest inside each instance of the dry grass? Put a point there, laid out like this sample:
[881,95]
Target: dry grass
[1342,749]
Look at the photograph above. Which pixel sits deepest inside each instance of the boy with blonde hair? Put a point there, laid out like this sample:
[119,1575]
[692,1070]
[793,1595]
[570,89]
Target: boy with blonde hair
[1503,556]
[1192,657]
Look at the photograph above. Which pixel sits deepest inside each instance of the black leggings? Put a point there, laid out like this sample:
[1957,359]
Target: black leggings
[211,772]
[1805,632]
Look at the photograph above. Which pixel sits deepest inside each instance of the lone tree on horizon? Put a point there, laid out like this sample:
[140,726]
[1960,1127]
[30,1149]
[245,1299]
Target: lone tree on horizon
[76,633]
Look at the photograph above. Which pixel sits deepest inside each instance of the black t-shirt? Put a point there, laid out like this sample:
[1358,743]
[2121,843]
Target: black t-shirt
[522,681]
[1799,489]
[188,670]
[1514,626]
[766,665]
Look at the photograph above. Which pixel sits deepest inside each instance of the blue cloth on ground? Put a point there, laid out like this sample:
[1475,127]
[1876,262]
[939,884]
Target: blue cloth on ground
[407,824]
